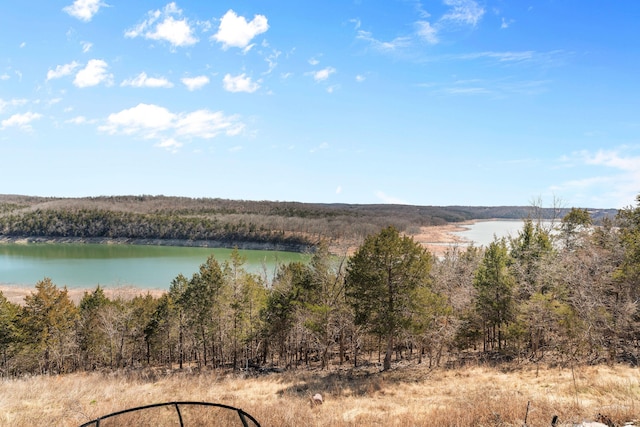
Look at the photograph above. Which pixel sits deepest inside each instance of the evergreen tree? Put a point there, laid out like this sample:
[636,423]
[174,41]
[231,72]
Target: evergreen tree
[204,300]
[92,338]
[178,295]
[48,319]
[494,299]
[382,279]
[9,332]
[247,297]
[279,315]
[323,309]
[575,221]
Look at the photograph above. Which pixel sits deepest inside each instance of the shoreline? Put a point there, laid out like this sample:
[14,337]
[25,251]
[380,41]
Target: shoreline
[438,239]
[221,244]
[17,293]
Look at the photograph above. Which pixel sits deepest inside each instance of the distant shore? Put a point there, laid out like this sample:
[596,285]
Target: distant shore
[247,245]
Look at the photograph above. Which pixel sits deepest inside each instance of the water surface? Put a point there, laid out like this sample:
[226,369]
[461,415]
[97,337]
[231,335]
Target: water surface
[87,265]
[482,233]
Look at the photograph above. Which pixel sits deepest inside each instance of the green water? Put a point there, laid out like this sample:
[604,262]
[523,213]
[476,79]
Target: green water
[88,265]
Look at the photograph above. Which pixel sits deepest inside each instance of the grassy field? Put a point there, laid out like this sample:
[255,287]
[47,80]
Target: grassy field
[404,396]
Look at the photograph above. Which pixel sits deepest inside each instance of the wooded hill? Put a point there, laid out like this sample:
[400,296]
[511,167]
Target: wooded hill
[235,223]
[565,295]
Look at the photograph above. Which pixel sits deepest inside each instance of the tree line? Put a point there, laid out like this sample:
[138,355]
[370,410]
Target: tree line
[219,222]
[93,223]
[566,293]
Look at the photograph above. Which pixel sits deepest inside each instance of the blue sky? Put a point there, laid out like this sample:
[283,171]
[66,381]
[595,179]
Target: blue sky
[433,102]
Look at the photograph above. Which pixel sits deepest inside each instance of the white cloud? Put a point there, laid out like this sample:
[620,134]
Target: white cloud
[463,11]
[12,103]
[205,124]
[460,12]
[313,61]
[360,78]
[234,129]
[150,121]
[612,159]
[339,189]
[475,90]
[272,60]
[240,83]
[616,188]
[22,121]
[62,70]
[194,83]
[79,120]
[178,33]
[389,199]
[93,74]
[4,77]
[395,44]
[427,32]
[526,55]
[84,10]
[163,25]
[235,31]
[146,120]
[321,147]
[323,74]
[170,144]
[142,80]
[86,46]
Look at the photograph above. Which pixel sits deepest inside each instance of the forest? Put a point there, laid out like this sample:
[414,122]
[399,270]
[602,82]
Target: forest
[565,293]
[291,226]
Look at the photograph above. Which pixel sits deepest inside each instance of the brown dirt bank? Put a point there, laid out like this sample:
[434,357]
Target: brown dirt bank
[436,238]
[439,238]
[16,293]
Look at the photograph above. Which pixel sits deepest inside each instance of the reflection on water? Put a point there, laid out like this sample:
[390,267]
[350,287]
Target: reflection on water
[87,265]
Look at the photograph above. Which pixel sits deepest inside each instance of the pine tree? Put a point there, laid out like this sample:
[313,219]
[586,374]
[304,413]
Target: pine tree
[382,279]
[48,320]
[494,299]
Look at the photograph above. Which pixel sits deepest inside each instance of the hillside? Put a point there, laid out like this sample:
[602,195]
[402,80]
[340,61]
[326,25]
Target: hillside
[290,226]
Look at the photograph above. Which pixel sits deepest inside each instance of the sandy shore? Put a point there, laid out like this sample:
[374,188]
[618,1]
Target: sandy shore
[438,239]
[16,293]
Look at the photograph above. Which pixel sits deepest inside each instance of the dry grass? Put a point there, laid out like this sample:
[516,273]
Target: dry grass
[409,396]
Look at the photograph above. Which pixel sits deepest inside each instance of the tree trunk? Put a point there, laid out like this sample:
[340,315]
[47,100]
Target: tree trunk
[387,356]
[204,348]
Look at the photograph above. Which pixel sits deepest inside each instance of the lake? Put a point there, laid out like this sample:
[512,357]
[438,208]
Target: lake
[482,233]
[154,267]
[89,265]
